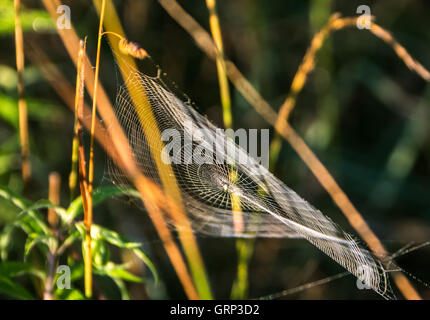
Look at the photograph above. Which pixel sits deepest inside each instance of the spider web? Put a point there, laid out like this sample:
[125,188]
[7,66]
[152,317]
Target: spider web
[268,208]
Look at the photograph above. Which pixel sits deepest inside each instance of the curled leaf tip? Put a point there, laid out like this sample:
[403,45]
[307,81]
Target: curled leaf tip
[132,48]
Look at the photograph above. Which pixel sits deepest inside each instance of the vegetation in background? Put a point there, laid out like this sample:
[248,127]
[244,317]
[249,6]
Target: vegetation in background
[362,111]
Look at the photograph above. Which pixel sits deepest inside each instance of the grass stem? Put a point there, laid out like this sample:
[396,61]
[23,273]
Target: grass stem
[336,22]
[89,218]
[22,103]
[244,246]
[220,63]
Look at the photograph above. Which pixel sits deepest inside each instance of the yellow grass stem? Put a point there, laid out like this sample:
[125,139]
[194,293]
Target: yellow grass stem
[73,176]
[245,248]
[225,100]
[88,220]
[244,245]
[79,98]
[22,103]
[222,76]
[336,22]
[205,43]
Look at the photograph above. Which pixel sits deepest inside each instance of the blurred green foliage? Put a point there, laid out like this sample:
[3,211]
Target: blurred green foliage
[31,19]
[59,243]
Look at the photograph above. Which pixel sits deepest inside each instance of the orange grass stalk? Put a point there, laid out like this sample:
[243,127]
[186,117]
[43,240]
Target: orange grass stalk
[83,184]
[206,44]
[22,104]
[54,197]
[308,63]
[79,100]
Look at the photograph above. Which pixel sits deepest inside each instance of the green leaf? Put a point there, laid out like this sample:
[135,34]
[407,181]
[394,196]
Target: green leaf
[122,288]
[13,198]
[142,256]
[66,294]
[68,241]
[99,195]
[6,236]
[14,290]
[117,271]
[46,204]
[100,253]
[81,229]
[76,269]
[48,240]
[25,223]
[5,240]
[23,204]
[12,269]
[98,232]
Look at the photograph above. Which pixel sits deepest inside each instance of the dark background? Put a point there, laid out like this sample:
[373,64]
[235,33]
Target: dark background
[362,111]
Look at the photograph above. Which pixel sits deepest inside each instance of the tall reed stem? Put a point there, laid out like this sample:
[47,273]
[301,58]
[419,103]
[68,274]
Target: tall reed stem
[89,218]
[54,197]
[79,153]
[240,285]
[220,63]
[22,103]
[78,104]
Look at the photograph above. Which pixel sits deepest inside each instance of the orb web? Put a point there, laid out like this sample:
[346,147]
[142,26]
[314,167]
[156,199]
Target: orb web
[267,206]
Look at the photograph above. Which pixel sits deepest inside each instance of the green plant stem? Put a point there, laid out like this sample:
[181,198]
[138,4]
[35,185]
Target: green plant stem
[244,246]
[89,218]
[220,63]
